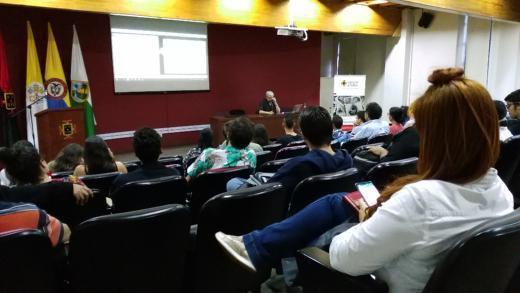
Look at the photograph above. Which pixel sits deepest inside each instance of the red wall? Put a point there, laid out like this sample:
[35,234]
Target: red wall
[243,63]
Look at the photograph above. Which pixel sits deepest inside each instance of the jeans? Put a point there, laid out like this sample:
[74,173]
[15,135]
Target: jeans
[268,246]
[235,183]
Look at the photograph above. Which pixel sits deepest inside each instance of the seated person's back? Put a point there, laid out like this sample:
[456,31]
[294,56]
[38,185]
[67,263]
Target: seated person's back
[290,134]
[374,126]
[147,147]
[237,153]
[98,159]
[316,126]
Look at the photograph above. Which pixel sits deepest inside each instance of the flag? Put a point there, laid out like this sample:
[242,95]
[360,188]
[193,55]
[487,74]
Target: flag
[55,84]
[79,86]
[34,89]
[7,101]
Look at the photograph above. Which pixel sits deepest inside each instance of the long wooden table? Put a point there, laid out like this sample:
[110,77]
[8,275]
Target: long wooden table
[273,124]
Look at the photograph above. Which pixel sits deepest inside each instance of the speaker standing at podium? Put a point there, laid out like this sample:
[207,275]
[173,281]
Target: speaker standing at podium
[269,106]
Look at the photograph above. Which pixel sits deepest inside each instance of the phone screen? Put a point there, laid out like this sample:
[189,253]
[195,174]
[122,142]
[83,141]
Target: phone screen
[369,192]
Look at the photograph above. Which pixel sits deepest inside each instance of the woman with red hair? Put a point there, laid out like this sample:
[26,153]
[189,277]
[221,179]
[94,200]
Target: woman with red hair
[418,218]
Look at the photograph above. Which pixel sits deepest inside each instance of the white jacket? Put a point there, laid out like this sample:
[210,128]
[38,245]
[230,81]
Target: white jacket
[403,241]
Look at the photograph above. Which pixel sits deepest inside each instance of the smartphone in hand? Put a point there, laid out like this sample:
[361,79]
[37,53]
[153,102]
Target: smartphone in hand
[369,192]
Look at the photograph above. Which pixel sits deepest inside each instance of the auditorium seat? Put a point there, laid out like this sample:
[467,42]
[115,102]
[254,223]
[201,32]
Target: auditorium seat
[384,173]
[509,160]
[291,152]
[61,175]
[26,260]
[131,166]
[274,147]
[170,160]
[236,212]
[210,183]
[352,144]
[315,187]
[365,147]
[273,166]
[336,145]
[100,183]
[263,157]
[150,193]
[138,251]
[384,138]
[177,167]
[296,143]
[484,261]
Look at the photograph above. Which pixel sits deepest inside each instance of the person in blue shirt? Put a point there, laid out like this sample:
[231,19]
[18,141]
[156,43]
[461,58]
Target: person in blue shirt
[316,127]
[338,135]
[375,126]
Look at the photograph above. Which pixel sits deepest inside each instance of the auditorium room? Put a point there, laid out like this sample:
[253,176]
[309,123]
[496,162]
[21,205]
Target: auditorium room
[263,146]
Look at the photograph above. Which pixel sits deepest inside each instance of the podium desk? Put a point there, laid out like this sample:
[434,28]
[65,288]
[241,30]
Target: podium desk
[57,128]
[273,124]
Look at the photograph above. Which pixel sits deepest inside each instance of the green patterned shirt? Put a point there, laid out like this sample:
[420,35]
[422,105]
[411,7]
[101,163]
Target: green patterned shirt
[222,158]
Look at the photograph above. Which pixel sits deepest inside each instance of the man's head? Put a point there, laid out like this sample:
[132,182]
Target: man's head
[337,121]
[513,104]
[269,95]
[240,132]
[147,144]
[316,126]
[288,121]
[373,111]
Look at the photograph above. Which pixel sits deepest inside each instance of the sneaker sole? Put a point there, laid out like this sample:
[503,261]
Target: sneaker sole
[231,252]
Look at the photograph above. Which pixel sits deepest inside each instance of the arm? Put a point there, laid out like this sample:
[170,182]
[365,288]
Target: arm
[390,232]
[201,164]
[121,167]
[276,105]
[262,112]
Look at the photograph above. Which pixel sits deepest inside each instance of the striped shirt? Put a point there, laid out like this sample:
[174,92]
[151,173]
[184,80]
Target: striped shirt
[24,216]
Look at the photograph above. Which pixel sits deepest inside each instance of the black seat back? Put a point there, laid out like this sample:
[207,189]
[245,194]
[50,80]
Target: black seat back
[139,251]
[60,175]
[263,157]
[100,182]
[171,160]
[296,143]
[384,138]
[483,262]
[210,183]
[352,144]
[273,166]
[150,193]
[131,166]
[384,173]
[315,187]
[274,147]
[237,212]
[509,160]
[26,262]
[291,152]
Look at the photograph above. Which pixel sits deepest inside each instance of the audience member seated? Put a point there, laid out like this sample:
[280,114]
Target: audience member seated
[513,106]
[360,118]
[260,136]
[337,134]
[502,121]
[27,216]
[418,218]
[252,145]
[68,158]
[374,125]
[98,159]
[4,177]
[239,132]
[24,164]
[397,118]
[316,126]
[205,141]
[147,147]
[288,127]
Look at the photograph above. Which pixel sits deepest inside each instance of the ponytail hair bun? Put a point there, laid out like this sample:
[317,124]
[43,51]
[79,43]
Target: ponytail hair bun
[446,75]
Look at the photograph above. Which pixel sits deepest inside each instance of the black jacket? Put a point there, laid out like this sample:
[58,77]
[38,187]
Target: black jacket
[404,145]
[514,126]
[146,171]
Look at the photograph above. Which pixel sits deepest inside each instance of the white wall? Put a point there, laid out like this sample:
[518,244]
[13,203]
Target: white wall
[476,65]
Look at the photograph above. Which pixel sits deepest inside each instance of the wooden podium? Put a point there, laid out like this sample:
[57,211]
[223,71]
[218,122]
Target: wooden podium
[57,128]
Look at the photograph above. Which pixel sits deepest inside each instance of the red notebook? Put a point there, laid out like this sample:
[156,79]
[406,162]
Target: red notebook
[354,199]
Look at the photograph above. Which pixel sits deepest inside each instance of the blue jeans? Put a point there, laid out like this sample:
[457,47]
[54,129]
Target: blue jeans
[268,246]
[235,183]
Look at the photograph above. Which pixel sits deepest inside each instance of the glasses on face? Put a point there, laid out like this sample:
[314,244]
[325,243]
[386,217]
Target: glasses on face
[509,105]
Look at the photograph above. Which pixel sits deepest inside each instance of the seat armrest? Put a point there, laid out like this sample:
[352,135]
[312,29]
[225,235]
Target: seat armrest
[317,275]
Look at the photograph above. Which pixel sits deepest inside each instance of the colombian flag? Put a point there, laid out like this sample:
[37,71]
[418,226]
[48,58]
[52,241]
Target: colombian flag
[55,83]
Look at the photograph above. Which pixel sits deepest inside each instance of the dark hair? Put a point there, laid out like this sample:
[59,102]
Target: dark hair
[288,120]
[361,115]
[240,132]
[469,120]
[205,139]
[397,115]
[147,144]
[501,109]
[337,121]
[513,97]
[97,157]
[260,135]
[68,158]
[22,163]
[374,111]
[316,125]
[405,113]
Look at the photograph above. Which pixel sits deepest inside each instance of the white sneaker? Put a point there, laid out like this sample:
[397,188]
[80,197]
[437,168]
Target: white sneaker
[234,246]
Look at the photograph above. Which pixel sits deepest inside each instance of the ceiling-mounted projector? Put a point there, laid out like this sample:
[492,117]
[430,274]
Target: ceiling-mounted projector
[292,31]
